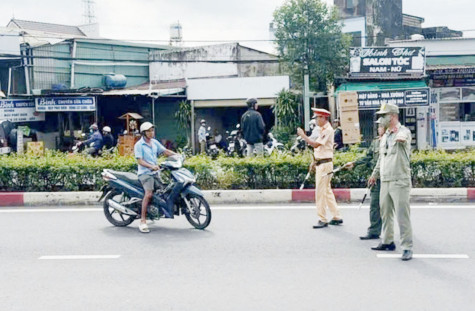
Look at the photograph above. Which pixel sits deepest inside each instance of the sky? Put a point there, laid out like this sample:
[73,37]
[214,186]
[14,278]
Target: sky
[205,21]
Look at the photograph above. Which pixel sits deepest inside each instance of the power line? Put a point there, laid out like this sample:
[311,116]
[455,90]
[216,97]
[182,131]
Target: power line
[141,60]
[191,41]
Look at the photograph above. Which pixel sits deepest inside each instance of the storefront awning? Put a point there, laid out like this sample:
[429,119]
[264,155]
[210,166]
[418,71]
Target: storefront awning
[380,86]
[162,92]
[456,61]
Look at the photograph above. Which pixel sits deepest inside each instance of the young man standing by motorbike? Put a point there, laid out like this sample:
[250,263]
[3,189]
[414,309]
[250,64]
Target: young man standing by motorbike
[146,151]
[253,128]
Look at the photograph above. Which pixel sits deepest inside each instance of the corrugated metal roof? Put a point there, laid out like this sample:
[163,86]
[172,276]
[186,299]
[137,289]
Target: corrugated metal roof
[123,43]
[48,27]
[162,92]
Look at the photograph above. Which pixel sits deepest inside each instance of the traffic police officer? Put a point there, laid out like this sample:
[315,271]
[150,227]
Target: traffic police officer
[323,154]
[393,169]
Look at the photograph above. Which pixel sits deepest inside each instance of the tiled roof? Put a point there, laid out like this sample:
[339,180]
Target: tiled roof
[47,27]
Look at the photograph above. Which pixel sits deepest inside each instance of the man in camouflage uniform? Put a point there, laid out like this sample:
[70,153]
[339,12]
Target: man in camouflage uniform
[393,169]
[369,160]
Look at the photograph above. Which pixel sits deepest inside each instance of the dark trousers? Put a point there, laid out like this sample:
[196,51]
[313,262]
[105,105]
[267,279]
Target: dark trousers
[375,211]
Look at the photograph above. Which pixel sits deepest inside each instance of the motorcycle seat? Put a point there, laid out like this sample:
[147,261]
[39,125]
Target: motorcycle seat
[131,178]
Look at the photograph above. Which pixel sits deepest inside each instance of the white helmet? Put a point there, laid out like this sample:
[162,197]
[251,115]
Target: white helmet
[145,126]
[106,129]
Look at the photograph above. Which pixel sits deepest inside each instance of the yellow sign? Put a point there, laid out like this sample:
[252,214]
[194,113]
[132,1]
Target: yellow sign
[35,148]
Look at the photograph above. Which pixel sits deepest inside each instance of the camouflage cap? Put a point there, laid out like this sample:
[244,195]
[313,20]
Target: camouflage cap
[388,108]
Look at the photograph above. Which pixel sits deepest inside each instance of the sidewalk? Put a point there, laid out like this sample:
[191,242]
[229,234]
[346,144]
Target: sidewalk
[429,195]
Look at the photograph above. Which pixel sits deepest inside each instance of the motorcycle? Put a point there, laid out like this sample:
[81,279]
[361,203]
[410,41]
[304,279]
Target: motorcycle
[123,195]
[211,148]
[298,146]
[273,145]
[236,144]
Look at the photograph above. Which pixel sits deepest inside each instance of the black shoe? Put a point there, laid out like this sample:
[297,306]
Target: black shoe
[320,224]
[384,247]
[406,255]
[336,222]
[369,237]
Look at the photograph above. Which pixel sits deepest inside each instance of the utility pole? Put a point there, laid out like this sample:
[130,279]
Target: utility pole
[306,99]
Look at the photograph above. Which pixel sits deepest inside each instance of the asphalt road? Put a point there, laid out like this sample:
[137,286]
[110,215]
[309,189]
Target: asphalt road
[250,258]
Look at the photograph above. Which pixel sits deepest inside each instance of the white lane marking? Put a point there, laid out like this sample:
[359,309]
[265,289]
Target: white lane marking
[69,257]
[290,207]
[50,210]
[429,256]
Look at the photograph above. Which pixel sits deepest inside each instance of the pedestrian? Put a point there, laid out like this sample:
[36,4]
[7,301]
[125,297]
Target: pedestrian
[202,136]
[146,151]
[394,171]
[338,134]
[323,157]
[253,128]
[369,160]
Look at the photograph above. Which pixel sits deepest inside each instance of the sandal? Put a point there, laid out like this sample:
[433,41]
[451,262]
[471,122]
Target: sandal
[143,228]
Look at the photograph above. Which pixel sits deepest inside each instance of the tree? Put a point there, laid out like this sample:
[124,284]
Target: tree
[287,117]
[183,118]
[308,37]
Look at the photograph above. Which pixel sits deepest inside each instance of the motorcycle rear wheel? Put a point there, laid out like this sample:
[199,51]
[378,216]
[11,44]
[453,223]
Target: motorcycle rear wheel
[115,217]
[200,214]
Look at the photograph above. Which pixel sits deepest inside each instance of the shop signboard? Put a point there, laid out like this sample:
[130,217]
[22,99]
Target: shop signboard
[19,110]
[57,104]
[401,98]
[387,61]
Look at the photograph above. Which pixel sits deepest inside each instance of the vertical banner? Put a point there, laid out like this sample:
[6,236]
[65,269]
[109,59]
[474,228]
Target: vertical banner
[349,118]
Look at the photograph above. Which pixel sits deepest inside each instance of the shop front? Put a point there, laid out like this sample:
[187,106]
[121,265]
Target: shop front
[411,96]
[454,117]
[395,75]
[67,117]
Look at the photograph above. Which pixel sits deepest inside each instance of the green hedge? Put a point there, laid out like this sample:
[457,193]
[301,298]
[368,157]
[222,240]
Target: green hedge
[60,172]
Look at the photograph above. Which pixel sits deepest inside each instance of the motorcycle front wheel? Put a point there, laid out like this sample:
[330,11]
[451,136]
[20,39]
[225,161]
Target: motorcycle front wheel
[199,213]
[115,217]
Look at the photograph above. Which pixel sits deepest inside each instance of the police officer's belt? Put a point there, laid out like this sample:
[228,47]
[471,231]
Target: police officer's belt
[321,161]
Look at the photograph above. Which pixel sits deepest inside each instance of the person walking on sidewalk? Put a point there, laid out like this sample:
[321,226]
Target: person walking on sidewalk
[323,156]
[146,151]
[393,169]
[253,128]
[370,159]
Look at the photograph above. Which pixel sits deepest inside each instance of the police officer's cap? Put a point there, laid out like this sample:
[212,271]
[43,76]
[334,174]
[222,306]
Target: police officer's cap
[321,112]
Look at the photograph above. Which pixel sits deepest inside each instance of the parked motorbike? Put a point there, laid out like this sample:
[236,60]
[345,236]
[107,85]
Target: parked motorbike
[298,146]
[273,145]
[123,195]
[211,148]
[236,144]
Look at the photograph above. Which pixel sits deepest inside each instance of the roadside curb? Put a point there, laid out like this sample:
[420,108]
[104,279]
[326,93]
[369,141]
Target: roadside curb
[429,195]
